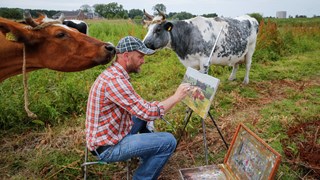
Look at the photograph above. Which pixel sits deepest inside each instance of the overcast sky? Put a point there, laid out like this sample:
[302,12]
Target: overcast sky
[227,8]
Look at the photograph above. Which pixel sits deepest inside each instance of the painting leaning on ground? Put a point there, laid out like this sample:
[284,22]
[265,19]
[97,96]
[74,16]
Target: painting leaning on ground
[280,104]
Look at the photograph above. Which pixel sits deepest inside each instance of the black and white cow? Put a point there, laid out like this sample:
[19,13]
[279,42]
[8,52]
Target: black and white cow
[81,26]
[193,39]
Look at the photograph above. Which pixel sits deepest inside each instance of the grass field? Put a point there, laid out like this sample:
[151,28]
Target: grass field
[280,104]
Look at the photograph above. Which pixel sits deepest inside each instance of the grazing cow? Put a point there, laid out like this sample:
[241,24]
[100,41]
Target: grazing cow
[81,26]
[48,44]
[193,39]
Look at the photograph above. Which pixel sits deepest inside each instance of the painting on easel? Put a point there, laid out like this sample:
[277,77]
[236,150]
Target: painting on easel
[203,89]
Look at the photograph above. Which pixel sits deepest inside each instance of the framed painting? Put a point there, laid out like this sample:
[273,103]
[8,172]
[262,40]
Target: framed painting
[203,89]
[248,158]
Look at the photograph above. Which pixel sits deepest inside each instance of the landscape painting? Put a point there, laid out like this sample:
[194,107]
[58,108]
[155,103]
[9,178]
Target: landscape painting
[203,89]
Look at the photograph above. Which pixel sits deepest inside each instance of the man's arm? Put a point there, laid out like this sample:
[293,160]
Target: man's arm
[180,94]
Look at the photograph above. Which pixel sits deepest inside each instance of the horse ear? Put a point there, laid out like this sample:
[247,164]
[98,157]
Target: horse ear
[168,26]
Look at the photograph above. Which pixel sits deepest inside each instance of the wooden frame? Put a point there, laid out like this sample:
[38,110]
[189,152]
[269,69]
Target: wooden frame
[248,157]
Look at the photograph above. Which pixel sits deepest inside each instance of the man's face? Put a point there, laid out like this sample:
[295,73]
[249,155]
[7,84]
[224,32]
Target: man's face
[135,60]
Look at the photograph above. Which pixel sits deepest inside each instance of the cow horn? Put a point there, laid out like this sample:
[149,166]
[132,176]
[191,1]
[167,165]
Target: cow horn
[162,14]
[62,17]
[29,20]
[150,17]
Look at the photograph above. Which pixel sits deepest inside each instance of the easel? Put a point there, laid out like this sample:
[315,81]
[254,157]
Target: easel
[190,111]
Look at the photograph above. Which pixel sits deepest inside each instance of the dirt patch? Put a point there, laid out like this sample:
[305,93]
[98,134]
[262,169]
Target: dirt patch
[304,137]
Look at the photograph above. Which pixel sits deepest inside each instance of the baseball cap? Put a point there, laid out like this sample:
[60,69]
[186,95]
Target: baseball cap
[130,43]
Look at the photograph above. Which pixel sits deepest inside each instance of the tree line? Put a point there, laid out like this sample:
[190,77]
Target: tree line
[110,11]
[115,11]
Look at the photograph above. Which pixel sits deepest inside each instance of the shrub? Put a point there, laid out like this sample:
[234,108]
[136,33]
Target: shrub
[269,42]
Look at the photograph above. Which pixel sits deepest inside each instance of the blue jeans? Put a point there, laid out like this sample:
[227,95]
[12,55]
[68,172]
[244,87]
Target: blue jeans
[154,149]
[139,126]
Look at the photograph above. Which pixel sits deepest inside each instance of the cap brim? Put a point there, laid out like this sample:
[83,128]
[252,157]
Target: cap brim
[146,51]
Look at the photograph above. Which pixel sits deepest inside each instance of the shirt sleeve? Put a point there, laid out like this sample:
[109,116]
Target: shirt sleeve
[120,91]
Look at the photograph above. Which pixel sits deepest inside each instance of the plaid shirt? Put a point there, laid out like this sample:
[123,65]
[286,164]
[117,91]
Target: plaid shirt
[112,101]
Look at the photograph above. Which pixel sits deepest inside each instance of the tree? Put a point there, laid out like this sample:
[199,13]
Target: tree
[11,13]
[160,7]
[183,15]
[100,9]
[135,12]
[210,15]
[115,10]
[171,14]
[86,8]
[111,10]
[257,16]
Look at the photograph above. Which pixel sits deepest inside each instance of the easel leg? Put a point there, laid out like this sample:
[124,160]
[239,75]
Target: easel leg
[205,141]
[186,121]
[218,130]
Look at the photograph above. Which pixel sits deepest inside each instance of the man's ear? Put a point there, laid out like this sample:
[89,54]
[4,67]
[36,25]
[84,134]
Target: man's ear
[126,54]
[168,26]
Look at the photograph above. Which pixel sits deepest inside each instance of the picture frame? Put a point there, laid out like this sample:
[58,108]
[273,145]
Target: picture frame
[248,158]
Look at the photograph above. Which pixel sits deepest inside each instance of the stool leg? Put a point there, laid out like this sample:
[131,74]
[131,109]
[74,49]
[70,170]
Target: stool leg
[85,167]
[128,169]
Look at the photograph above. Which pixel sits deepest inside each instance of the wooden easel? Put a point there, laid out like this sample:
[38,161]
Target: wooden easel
[186,121]
[190,111]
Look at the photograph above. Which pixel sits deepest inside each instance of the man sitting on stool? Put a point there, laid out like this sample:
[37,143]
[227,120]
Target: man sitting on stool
[115,113]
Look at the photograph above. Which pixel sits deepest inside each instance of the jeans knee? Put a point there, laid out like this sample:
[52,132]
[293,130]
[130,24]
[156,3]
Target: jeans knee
[171,141]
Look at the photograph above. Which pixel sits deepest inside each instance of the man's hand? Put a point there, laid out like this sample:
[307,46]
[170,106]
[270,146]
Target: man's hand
[182,91]
[180,94]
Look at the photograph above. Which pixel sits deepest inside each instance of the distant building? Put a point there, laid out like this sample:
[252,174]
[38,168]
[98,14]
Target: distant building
[80,15]
[92,15]
[281,14]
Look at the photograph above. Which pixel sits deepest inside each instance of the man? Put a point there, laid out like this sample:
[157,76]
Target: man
[115,112]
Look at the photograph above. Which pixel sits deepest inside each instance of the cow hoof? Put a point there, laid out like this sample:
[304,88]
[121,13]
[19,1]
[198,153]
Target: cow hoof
[245,82]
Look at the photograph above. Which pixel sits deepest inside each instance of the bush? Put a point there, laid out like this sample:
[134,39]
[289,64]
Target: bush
[257,16]
[269,42]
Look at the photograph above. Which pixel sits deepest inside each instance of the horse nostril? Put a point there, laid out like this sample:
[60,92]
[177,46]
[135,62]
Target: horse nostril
[110,48]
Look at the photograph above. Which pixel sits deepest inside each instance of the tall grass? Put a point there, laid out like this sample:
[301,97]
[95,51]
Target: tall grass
[283,37]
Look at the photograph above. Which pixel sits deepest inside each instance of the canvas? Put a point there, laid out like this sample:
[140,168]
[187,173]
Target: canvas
[203,89]
[248,158]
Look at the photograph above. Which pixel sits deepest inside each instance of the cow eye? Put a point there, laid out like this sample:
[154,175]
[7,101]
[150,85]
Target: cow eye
[60,35]
[157,30]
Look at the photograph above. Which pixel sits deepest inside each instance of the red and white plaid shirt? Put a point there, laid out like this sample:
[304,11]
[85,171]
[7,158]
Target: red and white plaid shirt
[112,101]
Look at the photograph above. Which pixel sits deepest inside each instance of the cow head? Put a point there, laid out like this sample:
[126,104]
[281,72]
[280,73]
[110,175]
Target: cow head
[48,45]
[158,35]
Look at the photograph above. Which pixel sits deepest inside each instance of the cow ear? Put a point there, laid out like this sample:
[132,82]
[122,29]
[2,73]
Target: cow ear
[168,26]
[14,31]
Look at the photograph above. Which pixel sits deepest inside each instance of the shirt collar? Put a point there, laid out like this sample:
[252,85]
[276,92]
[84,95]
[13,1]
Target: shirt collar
[121,70]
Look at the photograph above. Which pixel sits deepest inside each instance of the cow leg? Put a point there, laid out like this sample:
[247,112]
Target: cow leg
[248,66]
[234,71]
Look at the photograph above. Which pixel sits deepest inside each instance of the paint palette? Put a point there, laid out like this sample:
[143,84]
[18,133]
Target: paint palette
[248,157]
